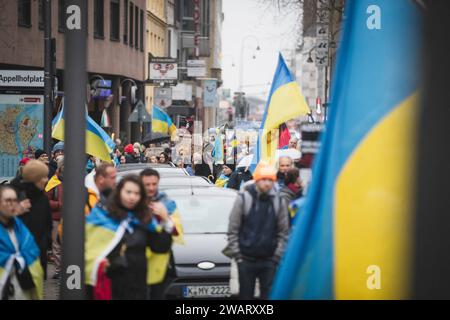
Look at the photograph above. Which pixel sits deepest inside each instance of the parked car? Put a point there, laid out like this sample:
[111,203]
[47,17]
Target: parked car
[171,177]
[198,268]
[165,170]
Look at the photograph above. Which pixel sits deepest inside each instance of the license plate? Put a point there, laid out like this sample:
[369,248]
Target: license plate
[206,291]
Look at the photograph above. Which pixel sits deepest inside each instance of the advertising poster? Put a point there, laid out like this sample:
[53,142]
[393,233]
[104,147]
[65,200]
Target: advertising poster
[210,93]
[21,130]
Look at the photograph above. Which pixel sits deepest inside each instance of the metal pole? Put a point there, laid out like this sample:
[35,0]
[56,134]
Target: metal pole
[48,75]
[140,122]
[72,280]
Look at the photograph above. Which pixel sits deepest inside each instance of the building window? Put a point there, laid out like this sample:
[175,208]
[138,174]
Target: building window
[99,19]
[205,18]
[131,33]
[142,30]
[61,15]
[125,18]
[41,14]
[136,27]
[169,43]
[24,13]
[114,29]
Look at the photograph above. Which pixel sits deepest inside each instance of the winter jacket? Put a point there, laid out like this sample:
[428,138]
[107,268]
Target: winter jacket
[288,195]
[244,208]
[52,167]
[239,177]
[54,192]
[38,220]
[131,158]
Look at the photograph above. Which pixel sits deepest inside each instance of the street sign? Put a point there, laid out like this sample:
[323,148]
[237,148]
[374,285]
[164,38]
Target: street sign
[163,97]
[140,114]
[21,78]
[182,91]
[310,137]
[163,70]
[196,68]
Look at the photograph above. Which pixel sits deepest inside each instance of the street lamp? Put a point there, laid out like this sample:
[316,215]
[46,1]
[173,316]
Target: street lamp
[258,48]
[133,89]
[310,60]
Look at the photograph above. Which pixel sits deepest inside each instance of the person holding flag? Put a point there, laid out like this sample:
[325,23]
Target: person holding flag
[117,237]
[21,273]
[356,221]
[166,213]
[222,180]
[285,102]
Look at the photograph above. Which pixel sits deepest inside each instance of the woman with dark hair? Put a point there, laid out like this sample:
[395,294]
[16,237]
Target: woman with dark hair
[163,158]
[117,236]
[21,274]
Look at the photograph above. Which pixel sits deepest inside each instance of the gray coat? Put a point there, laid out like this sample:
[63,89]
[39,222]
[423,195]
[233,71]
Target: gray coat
[236,218]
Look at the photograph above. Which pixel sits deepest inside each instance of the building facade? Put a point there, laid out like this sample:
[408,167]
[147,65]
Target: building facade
[116,51]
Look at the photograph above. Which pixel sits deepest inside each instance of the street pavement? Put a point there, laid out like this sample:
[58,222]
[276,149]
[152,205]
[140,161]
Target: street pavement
[51,286]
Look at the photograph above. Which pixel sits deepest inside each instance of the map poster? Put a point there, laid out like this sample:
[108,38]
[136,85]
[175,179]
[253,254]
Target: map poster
[21,130]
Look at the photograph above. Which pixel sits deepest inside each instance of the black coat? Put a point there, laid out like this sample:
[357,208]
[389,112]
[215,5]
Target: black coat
[202,170]
[131,158]
[128,272]
[52,167]
[239,176]
[38,220]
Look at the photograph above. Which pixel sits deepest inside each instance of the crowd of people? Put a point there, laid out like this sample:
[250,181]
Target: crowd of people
[131,226]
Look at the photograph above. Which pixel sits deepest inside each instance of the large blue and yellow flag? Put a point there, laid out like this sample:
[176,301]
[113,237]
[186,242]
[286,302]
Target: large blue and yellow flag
[162,123]
[285,102]
[26,257]
[98,143]
[352,239]
[103,234]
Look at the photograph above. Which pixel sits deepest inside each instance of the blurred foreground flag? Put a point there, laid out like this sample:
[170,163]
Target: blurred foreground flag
[285,102]
[353,238]
[98,143]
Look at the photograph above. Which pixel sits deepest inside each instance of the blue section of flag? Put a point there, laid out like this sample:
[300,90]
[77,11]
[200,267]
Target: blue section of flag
[376,70]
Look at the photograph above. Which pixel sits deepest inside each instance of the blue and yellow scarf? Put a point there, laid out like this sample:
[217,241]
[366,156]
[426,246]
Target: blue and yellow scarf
[26,257]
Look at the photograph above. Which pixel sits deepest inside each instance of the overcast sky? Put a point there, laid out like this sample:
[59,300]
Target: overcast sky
[275,32]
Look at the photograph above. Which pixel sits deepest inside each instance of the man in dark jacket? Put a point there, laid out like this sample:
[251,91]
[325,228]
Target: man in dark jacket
[258,232]
[38,218]
[239,177]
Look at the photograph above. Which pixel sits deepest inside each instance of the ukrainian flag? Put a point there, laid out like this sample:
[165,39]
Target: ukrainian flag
[103,234]
[98,143]
[222,181]
[352,240]
[217,152]
[285,102]
[26,258]
[162,123]
[157,263]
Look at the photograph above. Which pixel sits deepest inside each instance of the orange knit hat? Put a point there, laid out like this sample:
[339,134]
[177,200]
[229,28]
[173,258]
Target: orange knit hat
[264,171]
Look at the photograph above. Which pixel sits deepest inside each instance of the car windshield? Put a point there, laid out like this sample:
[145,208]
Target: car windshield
[205,214]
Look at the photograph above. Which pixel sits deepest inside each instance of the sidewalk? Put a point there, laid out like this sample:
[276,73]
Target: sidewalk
[51,287]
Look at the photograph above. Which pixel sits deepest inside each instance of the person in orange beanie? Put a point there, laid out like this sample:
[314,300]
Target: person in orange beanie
[258,232]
